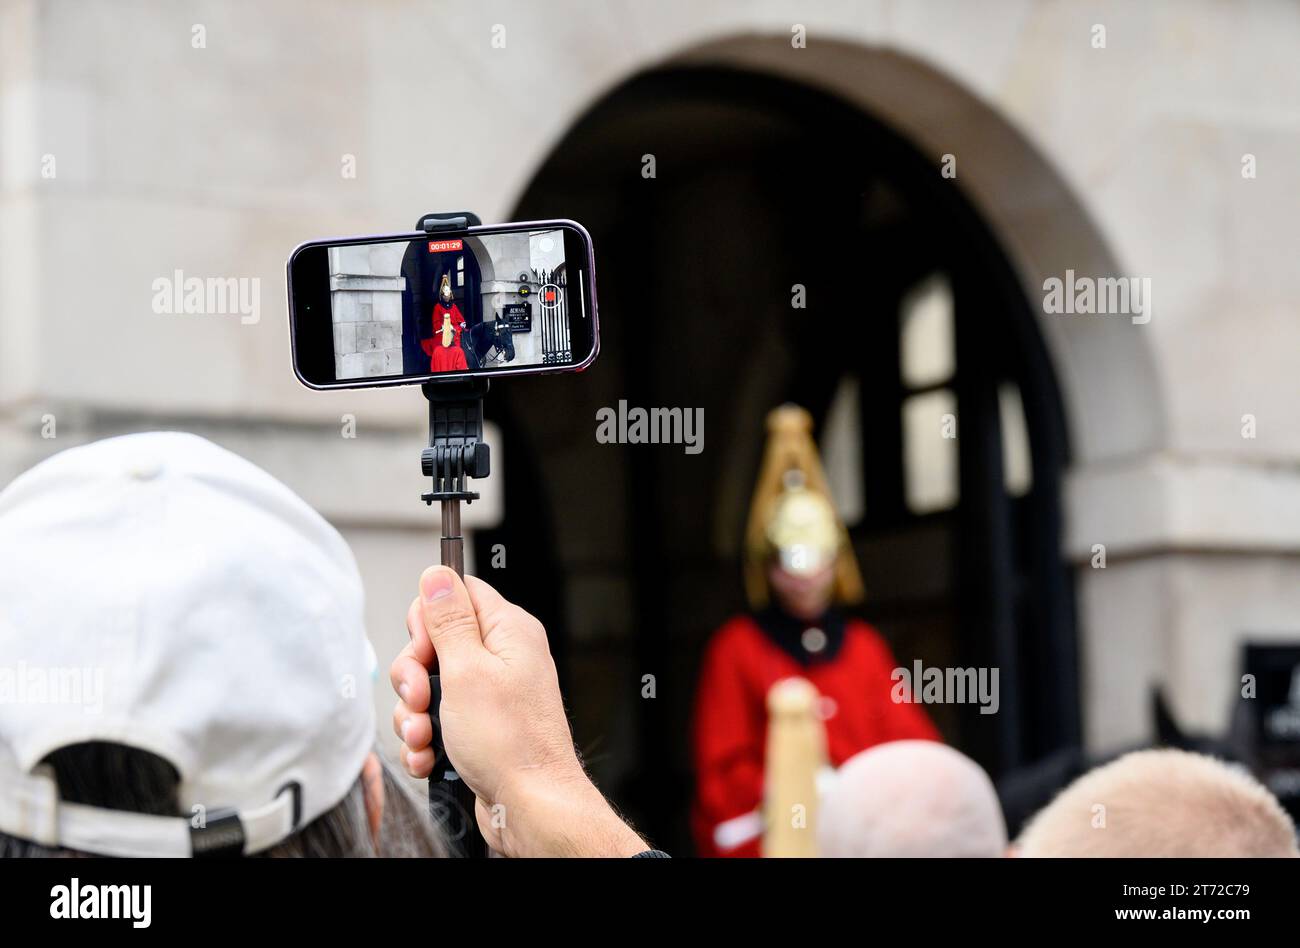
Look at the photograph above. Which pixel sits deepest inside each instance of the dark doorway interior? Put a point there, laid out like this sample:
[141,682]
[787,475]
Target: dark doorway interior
[629,552]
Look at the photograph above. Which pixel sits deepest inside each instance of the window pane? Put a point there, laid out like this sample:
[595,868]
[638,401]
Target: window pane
[926,338]
[842,451]
[930,451]
[1017,472]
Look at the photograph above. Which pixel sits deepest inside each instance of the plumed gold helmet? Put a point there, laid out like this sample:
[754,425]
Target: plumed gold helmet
[791,517]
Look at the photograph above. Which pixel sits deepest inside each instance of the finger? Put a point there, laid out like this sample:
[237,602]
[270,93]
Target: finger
[421,647]
[413,727]
[449,619]
[411,681]
[416,763]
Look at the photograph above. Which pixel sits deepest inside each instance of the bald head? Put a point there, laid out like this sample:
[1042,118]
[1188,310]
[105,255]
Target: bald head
[911,798]
[1161,803]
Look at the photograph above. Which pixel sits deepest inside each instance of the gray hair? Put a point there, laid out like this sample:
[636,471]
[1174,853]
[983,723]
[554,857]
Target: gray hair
[117,777]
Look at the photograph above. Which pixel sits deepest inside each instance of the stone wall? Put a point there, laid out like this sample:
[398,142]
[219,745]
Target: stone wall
[366,308]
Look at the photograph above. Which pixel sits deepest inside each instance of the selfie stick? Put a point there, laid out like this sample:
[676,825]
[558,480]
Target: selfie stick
[455,453]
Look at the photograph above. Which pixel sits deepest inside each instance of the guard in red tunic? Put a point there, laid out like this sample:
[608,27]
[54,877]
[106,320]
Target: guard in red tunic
[443,347]
[799,571]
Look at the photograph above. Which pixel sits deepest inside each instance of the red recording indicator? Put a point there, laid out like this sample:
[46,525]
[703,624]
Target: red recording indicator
[549,296]
[442,246]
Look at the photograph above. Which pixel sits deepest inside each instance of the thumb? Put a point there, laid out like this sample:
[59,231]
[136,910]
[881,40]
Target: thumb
[449,618]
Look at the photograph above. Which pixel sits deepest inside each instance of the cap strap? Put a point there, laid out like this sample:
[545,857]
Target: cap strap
[91,829]
[268,825]
[30,809]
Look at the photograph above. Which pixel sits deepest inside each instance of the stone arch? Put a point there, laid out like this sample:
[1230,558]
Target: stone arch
[1107,372]
[1106,368]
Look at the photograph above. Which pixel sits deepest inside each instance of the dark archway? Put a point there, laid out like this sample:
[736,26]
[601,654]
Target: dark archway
[761,185]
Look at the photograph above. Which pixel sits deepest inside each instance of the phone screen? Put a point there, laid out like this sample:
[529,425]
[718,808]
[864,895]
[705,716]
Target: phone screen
[369,311]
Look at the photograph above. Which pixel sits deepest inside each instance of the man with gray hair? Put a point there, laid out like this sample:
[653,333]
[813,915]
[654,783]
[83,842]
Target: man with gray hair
[911,799]
[1168,803]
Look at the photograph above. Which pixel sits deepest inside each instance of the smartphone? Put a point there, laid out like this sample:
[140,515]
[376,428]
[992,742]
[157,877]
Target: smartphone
[483,300]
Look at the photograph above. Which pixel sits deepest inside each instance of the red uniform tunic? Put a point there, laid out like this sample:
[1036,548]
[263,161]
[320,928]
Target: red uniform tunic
[741,664]
[445,358]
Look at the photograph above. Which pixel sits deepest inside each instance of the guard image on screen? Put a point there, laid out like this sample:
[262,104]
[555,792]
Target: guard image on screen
[403,308]
[449,304]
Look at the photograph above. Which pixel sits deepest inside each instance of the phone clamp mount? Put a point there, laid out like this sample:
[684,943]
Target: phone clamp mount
[456,452]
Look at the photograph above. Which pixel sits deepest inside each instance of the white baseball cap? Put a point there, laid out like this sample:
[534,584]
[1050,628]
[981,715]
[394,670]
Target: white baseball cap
[160,592]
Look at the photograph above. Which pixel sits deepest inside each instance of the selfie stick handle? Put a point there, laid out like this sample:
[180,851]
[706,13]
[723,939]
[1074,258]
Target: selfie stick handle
[452,545]
[455,453]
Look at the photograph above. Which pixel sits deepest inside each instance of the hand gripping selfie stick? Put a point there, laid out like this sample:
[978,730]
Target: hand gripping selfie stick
[456,452]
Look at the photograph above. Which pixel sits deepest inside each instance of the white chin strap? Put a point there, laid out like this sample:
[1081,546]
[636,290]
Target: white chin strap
[30,809]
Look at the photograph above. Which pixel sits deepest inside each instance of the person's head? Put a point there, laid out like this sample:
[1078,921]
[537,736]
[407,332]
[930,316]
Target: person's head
[190,641]
[444,288]
[911,799]
[797,552]
[1167,803]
